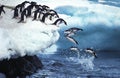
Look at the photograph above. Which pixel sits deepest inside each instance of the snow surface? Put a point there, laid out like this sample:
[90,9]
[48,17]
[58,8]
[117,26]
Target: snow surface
[27,38]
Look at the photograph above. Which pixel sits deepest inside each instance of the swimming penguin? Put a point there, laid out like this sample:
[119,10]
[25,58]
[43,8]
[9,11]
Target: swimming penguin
[37,14]
[91,51]
[2,9]
[58,21]
[75,49]
[72,48]
[72,40]
[23,15]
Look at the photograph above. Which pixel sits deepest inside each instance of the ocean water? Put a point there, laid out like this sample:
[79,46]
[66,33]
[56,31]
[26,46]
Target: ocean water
[101,31]
[100,21]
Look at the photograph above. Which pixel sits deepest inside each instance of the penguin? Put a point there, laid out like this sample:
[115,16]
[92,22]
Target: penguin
[41,14]
[53,16]
[54,13]
[23,5]
[2,9]
[30,7]
[75,49]
[16,13]
[75,29]
[58,21]
[33,3]
[72,48]
[37,14]
[72,40]
[45,16]
[72,31]
[91,51]
[23,15]
[45,7]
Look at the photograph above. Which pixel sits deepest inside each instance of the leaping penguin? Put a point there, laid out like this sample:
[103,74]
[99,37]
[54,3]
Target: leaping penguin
[91,51]
[2,9]
[58,21]
[72,40]
[23,15]
[72,31]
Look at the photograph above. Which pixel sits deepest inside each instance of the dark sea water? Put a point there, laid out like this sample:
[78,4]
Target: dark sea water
[104,39]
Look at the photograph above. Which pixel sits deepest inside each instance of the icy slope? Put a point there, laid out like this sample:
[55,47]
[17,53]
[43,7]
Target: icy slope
[20,39]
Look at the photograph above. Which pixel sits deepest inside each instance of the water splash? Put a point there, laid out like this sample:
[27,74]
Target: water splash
[85,62]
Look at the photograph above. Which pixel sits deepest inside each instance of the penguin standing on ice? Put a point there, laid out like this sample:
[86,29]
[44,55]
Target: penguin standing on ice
[45,16]
[30,7]
[91,51]
[16,13]
[55,15]
[23,5]
[58,21]
[23,15]
[2,9]
[45,7]
[37,14]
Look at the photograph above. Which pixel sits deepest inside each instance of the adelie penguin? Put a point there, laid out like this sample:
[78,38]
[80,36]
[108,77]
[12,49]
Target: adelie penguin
[72,31]
[72,48]
[45,16]
[23,5]
[72,40]
[45,7]
[37,14]
[30,7]
[23,15]
[75,49]
[59,21]
[16,13]
[2,9]
[91,51]
[54,13]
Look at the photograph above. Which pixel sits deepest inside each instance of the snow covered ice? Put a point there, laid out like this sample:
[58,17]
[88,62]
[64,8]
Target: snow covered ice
[27,38]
